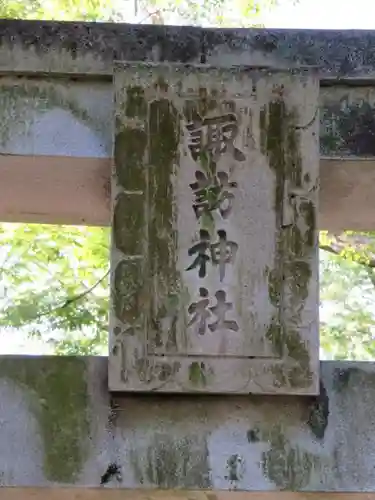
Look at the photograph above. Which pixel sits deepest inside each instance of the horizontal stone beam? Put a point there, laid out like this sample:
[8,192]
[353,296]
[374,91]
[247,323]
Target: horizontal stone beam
[67,93]
[89,49]
[76,190]
[61,427]
[65,107]
[53,493]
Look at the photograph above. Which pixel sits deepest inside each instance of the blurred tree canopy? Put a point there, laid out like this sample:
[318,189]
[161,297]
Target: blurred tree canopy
[194,12]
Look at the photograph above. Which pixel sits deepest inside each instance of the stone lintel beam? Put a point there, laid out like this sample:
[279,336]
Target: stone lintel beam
[89,49]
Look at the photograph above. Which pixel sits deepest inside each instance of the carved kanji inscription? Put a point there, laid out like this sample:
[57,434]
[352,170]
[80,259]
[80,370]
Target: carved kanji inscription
[219,261]
[214,135]
[212,192]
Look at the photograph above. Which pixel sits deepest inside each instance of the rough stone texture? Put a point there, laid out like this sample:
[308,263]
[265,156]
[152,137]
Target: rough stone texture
[42,116]
[250,442]
[91,48]
[347,118]
[47,116]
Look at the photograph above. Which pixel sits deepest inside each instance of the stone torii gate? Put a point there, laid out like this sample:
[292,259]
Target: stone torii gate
[240,107]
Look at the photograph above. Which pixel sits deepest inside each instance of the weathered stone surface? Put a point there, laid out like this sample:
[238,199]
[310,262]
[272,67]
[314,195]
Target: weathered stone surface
[55,117]
[347,117]
[56,393]
[215,253]
[74,118]
[67,118]
[250,442]
[91,48]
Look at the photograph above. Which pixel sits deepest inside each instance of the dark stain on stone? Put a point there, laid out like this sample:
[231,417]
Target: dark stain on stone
[168,370]
[354,130]
[253,435]
[341,377]
[265,42]
[232,466]
[113,471]
[308,211]
[319,413]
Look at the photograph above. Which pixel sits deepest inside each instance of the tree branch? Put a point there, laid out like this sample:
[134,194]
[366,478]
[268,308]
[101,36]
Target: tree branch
[73,299]
[367,263]
[86,292]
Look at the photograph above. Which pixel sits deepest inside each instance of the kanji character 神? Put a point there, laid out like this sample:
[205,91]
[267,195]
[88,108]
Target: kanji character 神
[223,252]
[201,248]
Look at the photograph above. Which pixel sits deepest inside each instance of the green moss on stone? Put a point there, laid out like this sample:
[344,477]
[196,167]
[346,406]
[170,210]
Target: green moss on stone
[170,462]
[136,105]
[274,288]
[298,275]
[56,391]
[20,101]
[150,370]
[286,465]
[272,126]
[293,161]
[279,377]
[289,342]
[128,281]
[197,374]
[279,141]
[129,223]
[296,348]
[273,145]
[164,137]
[130,147]
[300,374]
[272,142]
[275,335]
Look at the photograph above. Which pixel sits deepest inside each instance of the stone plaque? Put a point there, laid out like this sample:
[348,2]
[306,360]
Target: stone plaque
[214,261]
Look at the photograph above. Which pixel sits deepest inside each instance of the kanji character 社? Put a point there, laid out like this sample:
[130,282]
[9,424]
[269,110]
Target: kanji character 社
[220,311]
[200,311]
